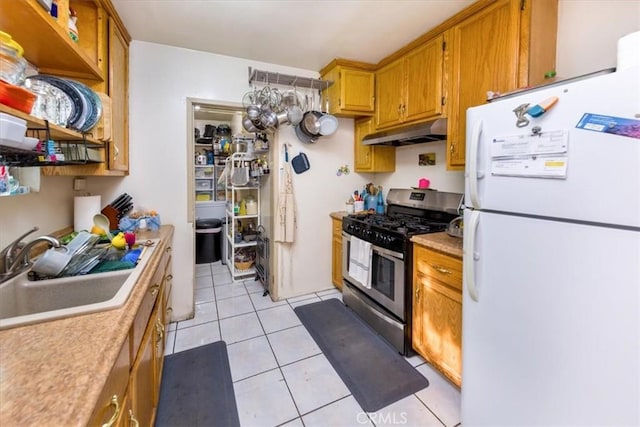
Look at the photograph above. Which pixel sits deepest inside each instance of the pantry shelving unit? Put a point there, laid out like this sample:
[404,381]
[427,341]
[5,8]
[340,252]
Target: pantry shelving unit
[239,222]
[205,177]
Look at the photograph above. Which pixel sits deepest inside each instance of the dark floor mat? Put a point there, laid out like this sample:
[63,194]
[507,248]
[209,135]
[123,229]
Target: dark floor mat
[197,389]
[375,373]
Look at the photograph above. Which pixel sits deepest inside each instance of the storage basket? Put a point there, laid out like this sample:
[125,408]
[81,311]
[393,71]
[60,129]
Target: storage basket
[245,265]
[203,184]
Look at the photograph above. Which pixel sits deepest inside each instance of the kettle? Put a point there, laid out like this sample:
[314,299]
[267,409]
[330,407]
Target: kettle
[456,227]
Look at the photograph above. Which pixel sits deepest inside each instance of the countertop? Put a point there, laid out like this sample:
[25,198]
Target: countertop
[440,242]
[338,215]
[52,373]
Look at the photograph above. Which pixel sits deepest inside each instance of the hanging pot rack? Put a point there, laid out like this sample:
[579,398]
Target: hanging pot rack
[269,77]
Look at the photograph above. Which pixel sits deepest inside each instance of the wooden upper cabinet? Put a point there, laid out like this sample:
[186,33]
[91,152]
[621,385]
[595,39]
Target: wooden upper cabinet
[371,158]
[507,45]
[46,42]
[118,150]
[389,94]
[410,88]
[423,98]
[352,91]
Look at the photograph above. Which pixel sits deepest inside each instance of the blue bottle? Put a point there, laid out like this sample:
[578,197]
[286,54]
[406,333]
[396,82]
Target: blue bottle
[380,203]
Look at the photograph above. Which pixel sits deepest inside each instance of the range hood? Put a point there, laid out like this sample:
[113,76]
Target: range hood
[435,130]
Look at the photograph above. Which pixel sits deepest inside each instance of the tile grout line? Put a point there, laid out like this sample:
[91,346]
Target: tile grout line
[293,400]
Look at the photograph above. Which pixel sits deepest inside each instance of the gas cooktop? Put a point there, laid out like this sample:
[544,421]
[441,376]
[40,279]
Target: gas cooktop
[406,225]
[409,212]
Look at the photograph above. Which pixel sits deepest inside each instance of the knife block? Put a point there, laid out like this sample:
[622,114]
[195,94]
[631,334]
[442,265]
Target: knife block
[112,215]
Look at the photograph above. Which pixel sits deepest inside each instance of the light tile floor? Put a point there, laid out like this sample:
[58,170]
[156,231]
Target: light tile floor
[280,376]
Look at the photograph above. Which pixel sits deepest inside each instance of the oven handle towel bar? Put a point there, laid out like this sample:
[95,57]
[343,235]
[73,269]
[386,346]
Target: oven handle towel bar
[360,261]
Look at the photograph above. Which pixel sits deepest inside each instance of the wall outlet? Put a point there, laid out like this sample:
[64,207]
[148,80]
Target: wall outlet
[79,184]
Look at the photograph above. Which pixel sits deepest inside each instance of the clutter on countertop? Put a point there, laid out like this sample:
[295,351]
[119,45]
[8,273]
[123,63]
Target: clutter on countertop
[369,199]
[140,221]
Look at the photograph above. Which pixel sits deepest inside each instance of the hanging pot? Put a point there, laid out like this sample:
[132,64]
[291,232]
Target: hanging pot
[303,136]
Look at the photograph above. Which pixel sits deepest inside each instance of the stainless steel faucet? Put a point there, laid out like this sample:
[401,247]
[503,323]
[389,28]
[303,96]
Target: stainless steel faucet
[8,254]
[15,257]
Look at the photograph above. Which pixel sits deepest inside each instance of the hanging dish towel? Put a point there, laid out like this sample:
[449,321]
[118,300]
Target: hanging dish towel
[286,217]
[360,261]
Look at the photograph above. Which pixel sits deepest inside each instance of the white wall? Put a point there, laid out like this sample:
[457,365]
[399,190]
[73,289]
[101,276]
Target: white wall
[588,31]
[305,265]
[408,171]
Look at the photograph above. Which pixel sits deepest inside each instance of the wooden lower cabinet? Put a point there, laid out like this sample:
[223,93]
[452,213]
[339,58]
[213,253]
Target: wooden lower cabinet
[142,383]
[437,310]
[131,393]
[110,404]
[336,253]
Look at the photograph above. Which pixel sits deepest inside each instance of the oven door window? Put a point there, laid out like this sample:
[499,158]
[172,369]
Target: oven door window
[383,273]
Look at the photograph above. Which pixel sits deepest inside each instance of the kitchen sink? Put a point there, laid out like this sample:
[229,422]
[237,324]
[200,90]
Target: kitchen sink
[24,302]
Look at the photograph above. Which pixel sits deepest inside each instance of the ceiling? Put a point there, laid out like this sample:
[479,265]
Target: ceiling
[305,34]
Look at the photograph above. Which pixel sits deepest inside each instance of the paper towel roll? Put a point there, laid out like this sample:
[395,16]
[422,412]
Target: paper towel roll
[84,208]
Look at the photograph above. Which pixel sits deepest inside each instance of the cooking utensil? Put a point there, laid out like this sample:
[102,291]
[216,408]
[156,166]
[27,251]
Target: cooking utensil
[328,123]
[455,228]
[248,124]
[100,220]
[304,137]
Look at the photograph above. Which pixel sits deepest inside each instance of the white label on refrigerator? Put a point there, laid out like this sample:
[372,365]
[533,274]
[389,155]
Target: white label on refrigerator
[542,155]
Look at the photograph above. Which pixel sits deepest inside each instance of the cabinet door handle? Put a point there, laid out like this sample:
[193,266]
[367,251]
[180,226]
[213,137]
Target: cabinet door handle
[399,108]
[116,151]
[417,292]
[452,147]
[168,250]
[159,331]
[133,421]
[169,277]
[116,412]
[154,290]
[440,269]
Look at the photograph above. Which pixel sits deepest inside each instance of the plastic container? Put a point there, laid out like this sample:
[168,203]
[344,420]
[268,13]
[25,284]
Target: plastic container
[208,234]
[16,97]
[203,184]
[12,64]
[12,131]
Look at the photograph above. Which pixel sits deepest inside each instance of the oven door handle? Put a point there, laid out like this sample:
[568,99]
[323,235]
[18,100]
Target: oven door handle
[378,249]
[387,252]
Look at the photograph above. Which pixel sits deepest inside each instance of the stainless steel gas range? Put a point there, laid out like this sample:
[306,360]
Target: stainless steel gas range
[377,258]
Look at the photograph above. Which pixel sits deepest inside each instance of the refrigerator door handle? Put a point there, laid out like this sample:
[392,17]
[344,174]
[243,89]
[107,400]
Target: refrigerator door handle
[472,163]
[468,246]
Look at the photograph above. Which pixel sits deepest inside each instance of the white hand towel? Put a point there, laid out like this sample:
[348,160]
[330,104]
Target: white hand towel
[360,261]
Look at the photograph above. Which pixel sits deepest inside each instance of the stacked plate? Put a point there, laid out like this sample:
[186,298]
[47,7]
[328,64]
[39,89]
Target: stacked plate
[65,102]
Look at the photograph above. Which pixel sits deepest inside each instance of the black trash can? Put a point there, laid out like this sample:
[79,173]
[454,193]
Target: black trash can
[208,234]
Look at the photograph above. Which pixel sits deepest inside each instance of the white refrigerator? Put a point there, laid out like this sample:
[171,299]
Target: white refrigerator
[551,305]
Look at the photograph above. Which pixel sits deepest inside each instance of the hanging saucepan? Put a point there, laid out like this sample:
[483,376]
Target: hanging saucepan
[303,136]
[248,124]
[328,123]
[310,122]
